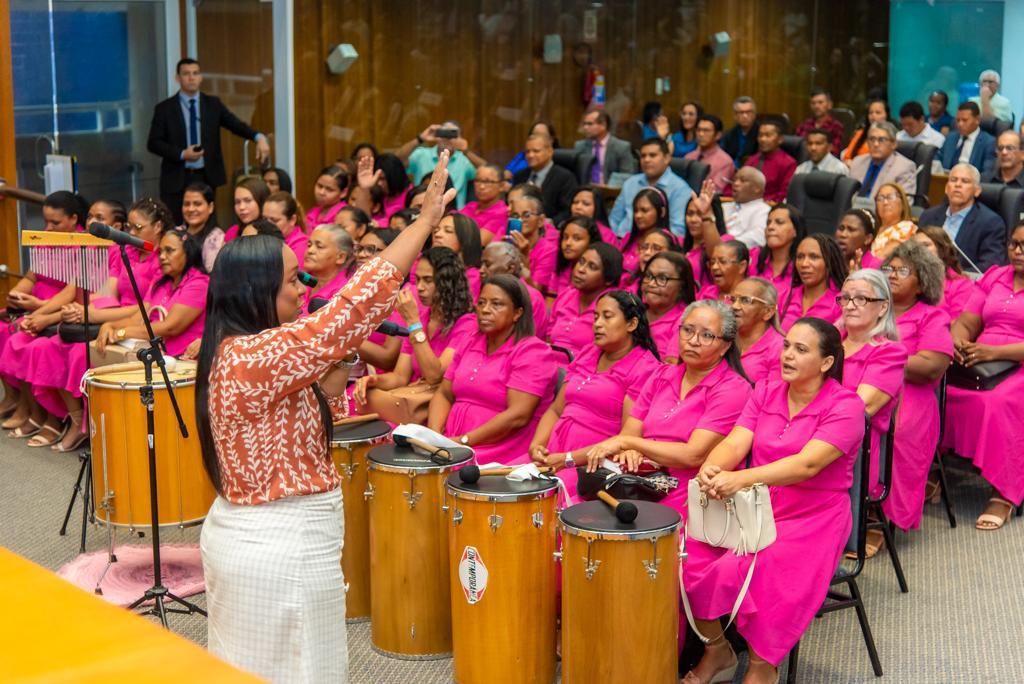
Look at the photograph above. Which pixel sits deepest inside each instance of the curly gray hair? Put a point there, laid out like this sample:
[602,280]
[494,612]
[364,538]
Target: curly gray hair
[930,272]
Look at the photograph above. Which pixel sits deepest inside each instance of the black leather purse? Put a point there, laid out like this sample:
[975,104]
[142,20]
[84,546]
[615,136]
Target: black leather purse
[76,332]
[653,486]
[981,376]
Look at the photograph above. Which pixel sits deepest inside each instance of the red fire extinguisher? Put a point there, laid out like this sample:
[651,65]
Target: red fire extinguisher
[594,88]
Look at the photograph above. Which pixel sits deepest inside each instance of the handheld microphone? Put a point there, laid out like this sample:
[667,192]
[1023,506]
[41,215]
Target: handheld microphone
[120,237]
[308,280]
[625,511]
[388,328]
[471,474]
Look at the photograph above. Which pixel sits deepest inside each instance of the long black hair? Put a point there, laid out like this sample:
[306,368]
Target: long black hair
[516,291]
[241,300]
[452,294]
[193,254]
[600,210]
[659,201]
[70,203]
[394,173]
[593,233]
[631,307]
[468,233]
[796,217]
[836,268]
[284,181]
[830,343]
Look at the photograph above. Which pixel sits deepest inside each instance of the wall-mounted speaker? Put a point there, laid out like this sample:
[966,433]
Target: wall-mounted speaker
[341,57]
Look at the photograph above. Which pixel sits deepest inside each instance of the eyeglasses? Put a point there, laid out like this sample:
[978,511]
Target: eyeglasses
[481,181]
[526,215]
[859,301]
[885,199]
[1007,148]
[721,262]
[879,139]
[659,279]
[902,271]
[744,300]
[704,337]
[1016,246]
[368,250]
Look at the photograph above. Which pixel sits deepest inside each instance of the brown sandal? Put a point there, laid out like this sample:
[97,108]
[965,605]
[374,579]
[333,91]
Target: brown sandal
[40,440]
[990,522]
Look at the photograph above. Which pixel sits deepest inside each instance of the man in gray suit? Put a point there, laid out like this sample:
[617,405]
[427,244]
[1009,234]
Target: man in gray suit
[883,164]
[601,154]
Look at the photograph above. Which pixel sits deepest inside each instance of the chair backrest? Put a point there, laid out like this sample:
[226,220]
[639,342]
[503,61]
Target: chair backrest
[923,157]
[780,118]
[940,395]
[559,381]
[822,198]
[886,444]
[1005,201]
[848,119]
[795,146]
[857,540]
[691,171]
[568,353]
[566,158]
[994,126]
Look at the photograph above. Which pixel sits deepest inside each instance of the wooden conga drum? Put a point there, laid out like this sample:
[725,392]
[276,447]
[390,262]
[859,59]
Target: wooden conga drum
[503,581]
[410,605]
[620,584]
[349,446]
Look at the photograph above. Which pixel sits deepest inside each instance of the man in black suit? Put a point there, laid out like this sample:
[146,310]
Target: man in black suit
[557,185]
[185,134]
[979,232]
[740,141]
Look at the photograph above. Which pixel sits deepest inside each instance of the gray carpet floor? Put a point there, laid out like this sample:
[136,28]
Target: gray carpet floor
[963,620]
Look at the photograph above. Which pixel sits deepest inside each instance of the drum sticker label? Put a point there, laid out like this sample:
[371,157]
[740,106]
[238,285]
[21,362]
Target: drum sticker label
[472,575]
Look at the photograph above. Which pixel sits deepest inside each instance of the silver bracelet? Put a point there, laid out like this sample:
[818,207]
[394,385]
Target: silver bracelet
[351,364]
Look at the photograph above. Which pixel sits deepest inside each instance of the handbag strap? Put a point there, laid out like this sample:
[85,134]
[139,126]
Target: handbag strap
[743,589]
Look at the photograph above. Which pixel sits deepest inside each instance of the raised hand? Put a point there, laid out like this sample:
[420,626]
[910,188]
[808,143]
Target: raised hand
[436,198]
[366,177]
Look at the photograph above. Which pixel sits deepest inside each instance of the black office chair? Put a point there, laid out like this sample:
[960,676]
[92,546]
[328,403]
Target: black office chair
[847,575]
[849,121]
[796,147]
[922,154]
[938,465]
[994,126]
[822,198]
[881,522]
[566,158]
[691,171]
[1005,201]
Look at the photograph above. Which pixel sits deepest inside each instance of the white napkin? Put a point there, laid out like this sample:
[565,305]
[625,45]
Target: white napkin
[425,434]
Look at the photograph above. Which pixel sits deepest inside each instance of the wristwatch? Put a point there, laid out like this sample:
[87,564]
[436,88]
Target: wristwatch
[419,337]
[120,333]
[569,462]
[464,440]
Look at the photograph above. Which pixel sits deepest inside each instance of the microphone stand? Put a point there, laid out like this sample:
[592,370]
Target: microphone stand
[149,356]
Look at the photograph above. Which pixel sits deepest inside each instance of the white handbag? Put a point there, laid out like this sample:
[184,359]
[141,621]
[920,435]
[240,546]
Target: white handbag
[744,523]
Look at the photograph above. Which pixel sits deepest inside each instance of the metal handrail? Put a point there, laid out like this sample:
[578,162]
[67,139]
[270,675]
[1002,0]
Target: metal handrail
[20,194]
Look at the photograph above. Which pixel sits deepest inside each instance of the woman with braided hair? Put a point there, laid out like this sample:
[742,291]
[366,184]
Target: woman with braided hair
[819,273]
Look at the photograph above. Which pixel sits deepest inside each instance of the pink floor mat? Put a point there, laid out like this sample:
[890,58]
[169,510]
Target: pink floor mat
[132,574]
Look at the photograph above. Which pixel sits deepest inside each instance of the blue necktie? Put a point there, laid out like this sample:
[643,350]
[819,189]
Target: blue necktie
[193,123]
[869,179]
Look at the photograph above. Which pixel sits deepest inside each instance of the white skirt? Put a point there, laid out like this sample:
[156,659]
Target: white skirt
[274,588]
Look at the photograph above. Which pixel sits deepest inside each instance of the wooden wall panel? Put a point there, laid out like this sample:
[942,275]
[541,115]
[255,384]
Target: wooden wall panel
[9,250]
[480,62]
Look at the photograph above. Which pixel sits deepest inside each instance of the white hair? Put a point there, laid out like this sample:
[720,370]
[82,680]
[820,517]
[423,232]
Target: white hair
[991,73]
[971,169]
[886,325]
[884,126]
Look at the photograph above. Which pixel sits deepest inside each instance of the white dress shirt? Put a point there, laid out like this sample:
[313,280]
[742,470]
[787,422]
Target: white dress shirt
[929,136]
[965,151]
[746,222]
[830,164]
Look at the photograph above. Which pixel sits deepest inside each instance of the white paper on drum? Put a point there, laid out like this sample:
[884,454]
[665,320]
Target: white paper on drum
[472,575]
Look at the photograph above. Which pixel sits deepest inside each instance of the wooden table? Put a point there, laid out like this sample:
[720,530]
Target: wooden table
[52,631]
[937,189]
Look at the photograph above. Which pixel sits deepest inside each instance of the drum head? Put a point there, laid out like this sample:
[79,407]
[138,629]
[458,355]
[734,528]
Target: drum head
[402,458]
[500,487]
[360,432]
[597,516]
[183,374]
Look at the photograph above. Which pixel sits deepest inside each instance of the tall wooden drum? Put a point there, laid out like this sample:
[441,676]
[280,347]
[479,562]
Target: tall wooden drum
[620,584]
[503,581]
[410,605]
[349,447]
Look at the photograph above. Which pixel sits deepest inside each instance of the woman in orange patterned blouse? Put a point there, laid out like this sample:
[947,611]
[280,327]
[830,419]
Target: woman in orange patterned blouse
[268,388]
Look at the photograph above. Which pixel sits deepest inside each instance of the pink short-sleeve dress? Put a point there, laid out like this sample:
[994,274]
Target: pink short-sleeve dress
[714,404]
[480,382]
[445,338]
[297,241]
[701,275]
[881,365]
[327,290]
[593,403]
[492,219]
[320,215]
[15,345]
[560,281]
[986,426]
[956,293]
[823,307]
[544,257]
[923,327]
[190,292]
[812,523]
[761,359]
[570,327]
[539,307]
[394,204]
[782,282]
[665,332]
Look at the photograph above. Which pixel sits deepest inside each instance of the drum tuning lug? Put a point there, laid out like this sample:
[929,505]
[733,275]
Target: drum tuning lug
[495,521]
[348,469]
[652,568]
[347,585]
[538,519]
[557,556]
[368,494]
[590,566]
[413,498]
[457,517]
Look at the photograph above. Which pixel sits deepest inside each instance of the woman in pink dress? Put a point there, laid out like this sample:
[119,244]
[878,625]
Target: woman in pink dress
[488,209]
[536,241]
[701,235]
[443,314]
[330,258]
[55,368]
[379,350]
[758,335]
[957,287]
[200,214]
[394,181]
[985,426]
[804,432]
[655,242]
[650,211]
[176,302]
[599,389]
[666,289]
[875,361]
[576,234]
[38,299]
[774,262]
[283,211]
[572,314]
[249,196]
[729,263]
[588,201]
[820,272]
[683,411]
[503,257]
[460,234]
[330,195]
[915,278]
[501,379]
[854,234]
[354,220]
